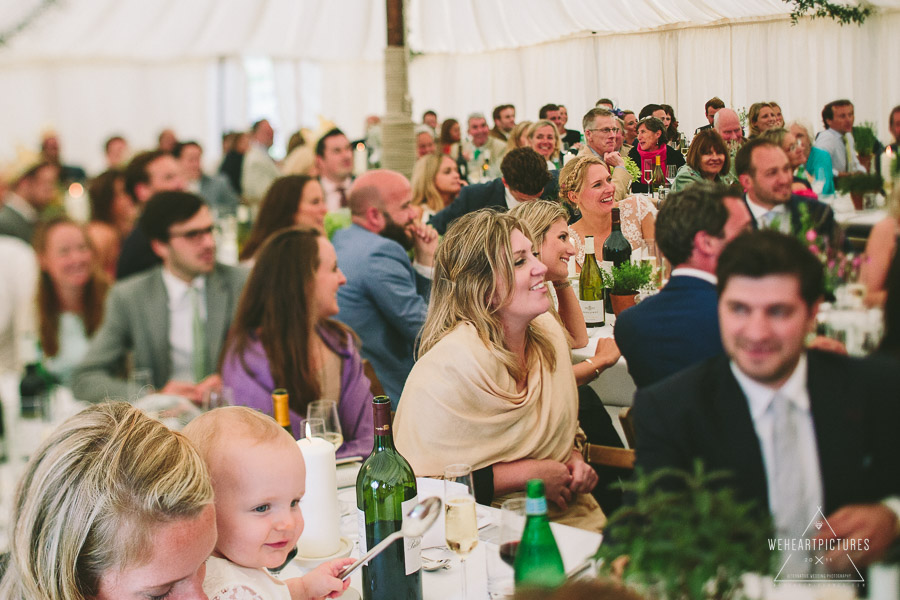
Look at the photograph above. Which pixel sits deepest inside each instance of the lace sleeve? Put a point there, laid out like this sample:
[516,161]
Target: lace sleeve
[236,592]
[579,246]
[633,211]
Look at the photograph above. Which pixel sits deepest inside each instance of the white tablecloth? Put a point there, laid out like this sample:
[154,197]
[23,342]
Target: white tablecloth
[614,386]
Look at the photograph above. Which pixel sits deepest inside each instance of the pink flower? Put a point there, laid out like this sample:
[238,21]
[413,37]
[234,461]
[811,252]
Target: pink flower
[811,235]
[830,264]
[813,248]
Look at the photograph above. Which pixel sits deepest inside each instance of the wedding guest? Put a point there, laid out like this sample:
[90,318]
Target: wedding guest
[837,138]
[258,170]
[283,336]
[818,161]
[707,159]
[518,136]
[571,138]
[424,141]
[652,144]
[32,189]
[543,137]
[890,341]
[601,132]
[113,505]
[291,200]
[450,135]
[50,152]
[70,295]
[761,117]
[18,282]
[116,152]
[254,463]
[797,157]
[111,204]
[233,158]
[504,117]
[779,117]
[881,247]
[334,162]
[435,184]
[712,106]
[487,388]
[167,141]
[630,121]
[215,189]
[728,124]
[672,134]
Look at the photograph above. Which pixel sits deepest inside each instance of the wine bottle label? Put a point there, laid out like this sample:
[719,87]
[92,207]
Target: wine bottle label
[412,547]
[593,311]
[361,527]
[536,506]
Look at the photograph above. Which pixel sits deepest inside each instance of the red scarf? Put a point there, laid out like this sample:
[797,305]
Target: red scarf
[652,154]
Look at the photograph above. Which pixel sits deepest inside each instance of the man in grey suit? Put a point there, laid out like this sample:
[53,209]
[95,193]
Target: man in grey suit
[385,298]
[600,129]
[158,316]
[216,190]
[32,191]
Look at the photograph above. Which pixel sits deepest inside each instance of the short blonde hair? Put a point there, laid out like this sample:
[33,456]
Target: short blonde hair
[91,496]
[573,176]
[473,256]
[544,123]
[424,190]
[208,430]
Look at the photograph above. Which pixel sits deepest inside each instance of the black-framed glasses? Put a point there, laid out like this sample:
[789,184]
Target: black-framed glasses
[606,130]
[195,235]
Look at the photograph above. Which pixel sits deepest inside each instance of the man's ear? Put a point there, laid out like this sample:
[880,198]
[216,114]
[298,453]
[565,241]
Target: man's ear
[161,249]
[375,218]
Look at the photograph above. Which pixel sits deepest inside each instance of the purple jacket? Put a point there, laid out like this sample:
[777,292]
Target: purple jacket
[254,389]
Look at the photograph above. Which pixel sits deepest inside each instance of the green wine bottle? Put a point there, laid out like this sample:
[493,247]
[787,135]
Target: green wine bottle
[385,492]
[538,562]
[616,247]
[590,288]
[659,178]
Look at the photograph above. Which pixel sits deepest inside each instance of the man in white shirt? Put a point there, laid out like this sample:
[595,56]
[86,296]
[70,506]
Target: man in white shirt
[837,139]
[334,160]
[259,170]
[172,319]
[804,434]
[678,327]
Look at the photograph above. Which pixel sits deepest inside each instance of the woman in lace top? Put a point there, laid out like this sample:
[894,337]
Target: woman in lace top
[586,183]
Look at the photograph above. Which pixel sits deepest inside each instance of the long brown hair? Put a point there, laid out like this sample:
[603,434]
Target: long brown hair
[48,303]
[278,307]
[277,211]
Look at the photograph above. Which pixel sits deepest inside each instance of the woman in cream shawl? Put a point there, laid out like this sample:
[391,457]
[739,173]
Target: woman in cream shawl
[486,389]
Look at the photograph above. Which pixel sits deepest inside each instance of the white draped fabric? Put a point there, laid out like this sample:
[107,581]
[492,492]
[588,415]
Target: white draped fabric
[90,68]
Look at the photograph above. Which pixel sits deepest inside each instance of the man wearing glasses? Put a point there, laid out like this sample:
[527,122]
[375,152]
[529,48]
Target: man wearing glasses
[172,319]
[600,129]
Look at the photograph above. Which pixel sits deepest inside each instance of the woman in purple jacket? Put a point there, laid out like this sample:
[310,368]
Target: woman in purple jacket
[283,337]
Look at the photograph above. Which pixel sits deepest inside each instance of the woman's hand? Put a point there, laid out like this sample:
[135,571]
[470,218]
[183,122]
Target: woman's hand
[606,354]
[584,478]
[557,481]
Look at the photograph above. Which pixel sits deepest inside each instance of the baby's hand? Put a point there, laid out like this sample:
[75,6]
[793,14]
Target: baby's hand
[321,582]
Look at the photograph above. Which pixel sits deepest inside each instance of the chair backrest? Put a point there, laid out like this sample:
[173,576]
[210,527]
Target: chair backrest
[627,426]
[609,456]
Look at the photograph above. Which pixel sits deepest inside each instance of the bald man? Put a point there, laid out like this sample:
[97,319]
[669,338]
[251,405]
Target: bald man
[728,124]
[386,297]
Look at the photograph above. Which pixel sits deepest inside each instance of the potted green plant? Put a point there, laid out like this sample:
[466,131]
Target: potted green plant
[687,539]
[865,139]
[625,281]
[858,185]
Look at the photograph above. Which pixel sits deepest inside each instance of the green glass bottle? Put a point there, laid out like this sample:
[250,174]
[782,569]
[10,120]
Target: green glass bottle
[385,492]
[590,288]
[538,562]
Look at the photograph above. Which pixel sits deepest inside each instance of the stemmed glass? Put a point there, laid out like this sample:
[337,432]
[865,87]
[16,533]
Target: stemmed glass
[328,412]
[310,428]
[460,521]
[670,174]
[647,167]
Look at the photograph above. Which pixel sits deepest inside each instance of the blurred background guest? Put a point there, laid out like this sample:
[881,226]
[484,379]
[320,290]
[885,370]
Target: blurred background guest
[761,117]
[795,153]
[707,159]
[111,204]
[32,188]
[543,137]
[215,189]
[651,144]
[116,152]
[817,161]
[284,336]
[672,134]
[50,152]
[424,141]
[291,200]
[881,247]
[518,136]
[234,146]
[167,141]
[779,117]
[435,184]
[70,295]
[450,136]
[890,341]
[18,281]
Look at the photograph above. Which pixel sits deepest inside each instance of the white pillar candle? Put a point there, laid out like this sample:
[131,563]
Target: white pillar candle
[321,531]
[887,161]
[360,159]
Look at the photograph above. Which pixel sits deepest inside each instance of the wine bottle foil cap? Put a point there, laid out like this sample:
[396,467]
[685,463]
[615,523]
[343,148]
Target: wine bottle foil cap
[589,245]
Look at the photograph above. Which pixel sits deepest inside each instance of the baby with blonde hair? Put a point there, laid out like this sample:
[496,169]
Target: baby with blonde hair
[258,477]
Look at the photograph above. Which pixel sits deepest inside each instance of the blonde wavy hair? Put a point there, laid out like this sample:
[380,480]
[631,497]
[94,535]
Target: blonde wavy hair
[543,123]
[512,142]
[573,176]
[474,256]
[423,189]
[91,497]
[753,117]
[539,216]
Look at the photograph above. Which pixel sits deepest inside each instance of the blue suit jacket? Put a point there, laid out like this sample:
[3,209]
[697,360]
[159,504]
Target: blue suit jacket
[670,331]
[384,302]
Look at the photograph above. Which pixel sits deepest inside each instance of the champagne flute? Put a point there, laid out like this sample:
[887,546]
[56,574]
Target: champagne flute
[328,412]
[670,174]
[460,521]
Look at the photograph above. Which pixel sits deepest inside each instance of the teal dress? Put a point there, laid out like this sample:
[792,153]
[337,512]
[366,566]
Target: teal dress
[686,176]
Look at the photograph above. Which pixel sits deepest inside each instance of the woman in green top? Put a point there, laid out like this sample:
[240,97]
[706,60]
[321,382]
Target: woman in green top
[707,159]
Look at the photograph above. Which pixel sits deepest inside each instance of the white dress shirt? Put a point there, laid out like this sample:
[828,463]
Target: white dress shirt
[763,215]
[692,272]
[332,192]
[181,321]
[834,142]
[762,410]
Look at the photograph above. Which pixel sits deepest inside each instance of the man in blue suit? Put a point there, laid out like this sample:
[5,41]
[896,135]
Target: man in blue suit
[385,298]
[679,326]
[525,177]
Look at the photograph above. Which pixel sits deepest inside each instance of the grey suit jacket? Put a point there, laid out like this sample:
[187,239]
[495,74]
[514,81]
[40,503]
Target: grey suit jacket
[136,321]
[218,193]
[14,224]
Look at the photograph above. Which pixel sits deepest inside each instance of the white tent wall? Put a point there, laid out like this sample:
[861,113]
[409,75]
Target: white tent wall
[801,67]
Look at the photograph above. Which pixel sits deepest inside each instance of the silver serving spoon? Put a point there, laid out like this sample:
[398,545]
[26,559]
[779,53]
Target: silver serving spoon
[416,523]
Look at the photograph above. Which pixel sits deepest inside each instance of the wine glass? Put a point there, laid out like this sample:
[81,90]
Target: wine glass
[213,398]
[460,522]
[328,412]
[647,167]
[670,174]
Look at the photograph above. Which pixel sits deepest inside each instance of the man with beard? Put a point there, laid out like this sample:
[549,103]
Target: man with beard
[385,298]
[171,319]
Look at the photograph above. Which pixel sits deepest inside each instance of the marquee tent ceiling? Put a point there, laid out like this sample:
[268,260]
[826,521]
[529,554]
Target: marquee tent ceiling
[336,30]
